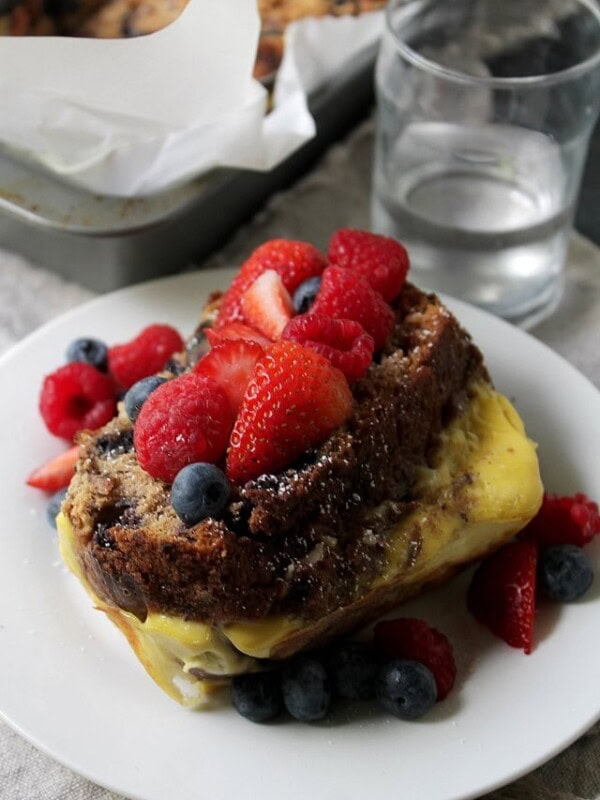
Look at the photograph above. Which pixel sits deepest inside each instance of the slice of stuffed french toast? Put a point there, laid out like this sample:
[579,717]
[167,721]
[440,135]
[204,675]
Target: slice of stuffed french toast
[363,465]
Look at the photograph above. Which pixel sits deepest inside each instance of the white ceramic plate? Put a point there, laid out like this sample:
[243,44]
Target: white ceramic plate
[70,684]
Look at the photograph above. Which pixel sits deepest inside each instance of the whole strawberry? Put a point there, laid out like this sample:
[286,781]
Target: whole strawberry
[293,261]
[502,593]
[347,295]
[293,402]
[382,261]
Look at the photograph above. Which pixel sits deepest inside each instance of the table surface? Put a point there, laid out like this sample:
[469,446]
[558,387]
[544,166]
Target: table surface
[334,195]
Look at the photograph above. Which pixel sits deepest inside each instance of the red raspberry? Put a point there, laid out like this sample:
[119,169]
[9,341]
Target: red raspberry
[414,639]
[346,295]
[564,520]
[294,401]
[235,330]
[382,261]
[76,397]
[502,593]
[145,355]
[185,420]
[295,262]
[343,342]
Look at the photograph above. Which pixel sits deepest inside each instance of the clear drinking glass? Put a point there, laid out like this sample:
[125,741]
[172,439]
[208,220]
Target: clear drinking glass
[485,109]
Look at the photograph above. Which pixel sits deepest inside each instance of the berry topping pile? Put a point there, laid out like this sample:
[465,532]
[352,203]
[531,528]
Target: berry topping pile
[292,333]
[546,562]
[290,336]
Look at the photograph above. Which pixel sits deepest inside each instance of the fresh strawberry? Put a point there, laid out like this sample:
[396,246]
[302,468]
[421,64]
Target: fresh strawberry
[415,640]
[267,304]
[343,342]
[294,401]
[143,356]
[564,520]
[235,330]
[347,295]
[293,261]
[56,473]
[231,364]
[502,593]
[379,259]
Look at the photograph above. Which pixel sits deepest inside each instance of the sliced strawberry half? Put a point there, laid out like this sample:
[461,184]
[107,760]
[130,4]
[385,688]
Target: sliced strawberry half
[235,330]
[230,364]
[502,593]
[294,401]
[55,474]
[267,305]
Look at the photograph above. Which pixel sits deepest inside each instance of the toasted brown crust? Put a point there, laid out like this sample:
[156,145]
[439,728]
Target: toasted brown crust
[301,543]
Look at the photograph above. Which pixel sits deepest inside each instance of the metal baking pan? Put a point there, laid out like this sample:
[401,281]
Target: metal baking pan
[104,243]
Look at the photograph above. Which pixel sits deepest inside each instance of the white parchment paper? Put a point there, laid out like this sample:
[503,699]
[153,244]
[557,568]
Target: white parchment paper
[132,117]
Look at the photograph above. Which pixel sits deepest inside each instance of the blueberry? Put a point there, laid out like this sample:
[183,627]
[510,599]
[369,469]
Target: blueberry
[306,689]
[257,696]
[564,572]
[305,295]
[199,491]
[53,506]
[90,351]
[353,670]
[406,689]
[137,395]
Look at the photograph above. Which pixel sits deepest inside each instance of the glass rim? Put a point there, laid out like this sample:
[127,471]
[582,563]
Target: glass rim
[522,82]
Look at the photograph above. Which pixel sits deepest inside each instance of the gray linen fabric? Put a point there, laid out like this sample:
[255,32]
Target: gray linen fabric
[335,194]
